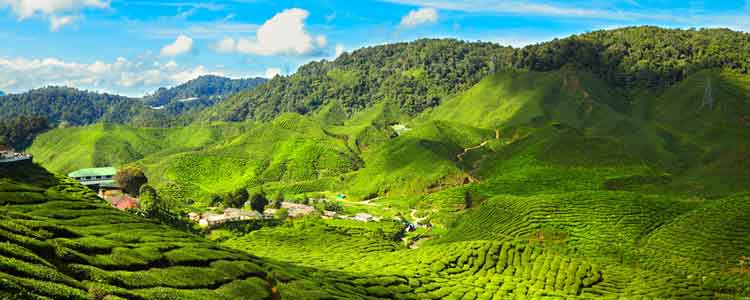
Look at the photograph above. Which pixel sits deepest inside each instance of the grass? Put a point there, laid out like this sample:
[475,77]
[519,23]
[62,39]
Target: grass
[71,245]
[566,191]
[377,267]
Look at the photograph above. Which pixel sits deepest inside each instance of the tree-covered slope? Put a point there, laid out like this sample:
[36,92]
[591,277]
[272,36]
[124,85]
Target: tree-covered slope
[173,106]
[207,87]
[422,74]
[193,96]
[645,55]
[414,75]
[76,107]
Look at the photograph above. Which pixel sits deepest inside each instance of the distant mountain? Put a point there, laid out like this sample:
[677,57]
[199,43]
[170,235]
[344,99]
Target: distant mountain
[69,105]
[165,107]
[2,93]
[207,87]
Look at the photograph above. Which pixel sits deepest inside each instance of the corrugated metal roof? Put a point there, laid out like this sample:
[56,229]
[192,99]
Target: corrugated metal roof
[106,183]
[107,171]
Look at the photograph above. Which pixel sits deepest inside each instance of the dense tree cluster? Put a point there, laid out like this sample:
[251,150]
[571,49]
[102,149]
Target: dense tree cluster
[69,105]
[131,179]
[421,74]
[19,132]
[642,56]
[166,107]
[204,87]
[237,198]
[414,75]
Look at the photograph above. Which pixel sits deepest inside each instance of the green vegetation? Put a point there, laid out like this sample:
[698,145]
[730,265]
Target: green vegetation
[70,245]
[600,166]
[65,106]
[19,133]
[203,88]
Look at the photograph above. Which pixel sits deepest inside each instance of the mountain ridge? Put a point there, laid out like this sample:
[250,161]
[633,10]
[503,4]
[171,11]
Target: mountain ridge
[72,106]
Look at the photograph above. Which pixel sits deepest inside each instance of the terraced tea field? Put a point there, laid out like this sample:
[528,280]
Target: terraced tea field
[58,240]
[378,268]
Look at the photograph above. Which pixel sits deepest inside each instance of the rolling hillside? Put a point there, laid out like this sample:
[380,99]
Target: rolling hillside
[60,241]
[591,167]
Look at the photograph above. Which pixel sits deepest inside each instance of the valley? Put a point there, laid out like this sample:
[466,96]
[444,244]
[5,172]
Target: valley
[435,169]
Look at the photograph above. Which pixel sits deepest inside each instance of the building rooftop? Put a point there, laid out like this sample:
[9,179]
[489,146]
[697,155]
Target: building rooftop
[107,171]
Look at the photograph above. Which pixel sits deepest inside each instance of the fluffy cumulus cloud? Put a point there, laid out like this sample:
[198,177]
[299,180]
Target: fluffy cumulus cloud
[339,50]
[419,16]
[226,45]
[119,76]
[284,34]
[272,72]
[183,44]
[58,12]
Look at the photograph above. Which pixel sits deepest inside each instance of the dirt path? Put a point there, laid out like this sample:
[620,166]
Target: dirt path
[416,219]
[461,155]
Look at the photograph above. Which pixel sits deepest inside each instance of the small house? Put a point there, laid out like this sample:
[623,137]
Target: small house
[363,217]
[8,155]
[98,179]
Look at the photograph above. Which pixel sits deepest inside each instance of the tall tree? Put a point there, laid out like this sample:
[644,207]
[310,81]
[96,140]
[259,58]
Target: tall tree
[259,201]
[131,178]
[237,198]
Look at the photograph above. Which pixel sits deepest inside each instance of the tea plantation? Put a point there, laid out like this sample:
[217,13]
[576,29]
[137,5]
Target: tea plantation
[527,185]
[58,240]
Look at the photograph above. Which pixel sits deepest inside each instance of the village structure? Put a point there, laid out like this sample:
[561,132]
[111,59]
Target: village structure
[102,181]
[8,155]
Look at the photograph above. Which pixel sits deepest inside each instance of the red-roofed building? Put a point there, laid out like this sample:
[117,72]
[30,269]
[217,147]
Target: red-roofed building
[124,202]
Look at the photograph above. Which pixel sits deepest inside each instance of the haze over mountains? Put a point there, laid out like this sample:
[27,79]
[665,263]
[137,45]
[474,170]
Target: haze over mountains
[607,165]
[76,107]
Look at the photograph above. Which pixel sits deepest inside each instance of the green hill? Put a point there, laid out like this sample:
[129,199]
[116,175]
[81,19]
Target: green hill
[597,166]
[60,241]
[67,149]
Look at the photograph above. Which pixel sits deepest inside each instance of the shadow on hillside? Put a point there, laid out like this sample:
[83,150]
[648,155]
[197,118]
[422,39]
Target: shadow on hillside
[27,172]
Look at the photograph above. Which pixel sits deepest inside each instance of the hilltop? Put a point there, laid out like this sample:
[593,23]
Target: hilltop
[198,93]
[206,87]
[603,165]
[422,74]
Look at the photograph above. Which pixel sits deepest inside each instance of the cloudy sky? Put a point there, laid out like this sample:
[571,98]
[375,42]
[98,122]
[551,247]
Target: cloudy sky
[133,47]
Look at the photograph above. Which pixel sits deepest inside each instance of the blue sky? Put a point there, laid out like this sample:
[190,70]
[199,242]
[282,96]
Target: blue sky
[134,47]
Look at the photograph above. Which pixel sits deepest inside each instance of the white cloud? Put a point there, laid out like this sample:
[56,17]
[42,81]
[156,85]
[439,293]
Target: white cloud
[122,75]
[283,34]
[226,45]
[57,12]
[419,16]
[321,40]
[186,75]
[339,50]
[272,72]
[181,45]
[171,64]
[55,22]
[638,15]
